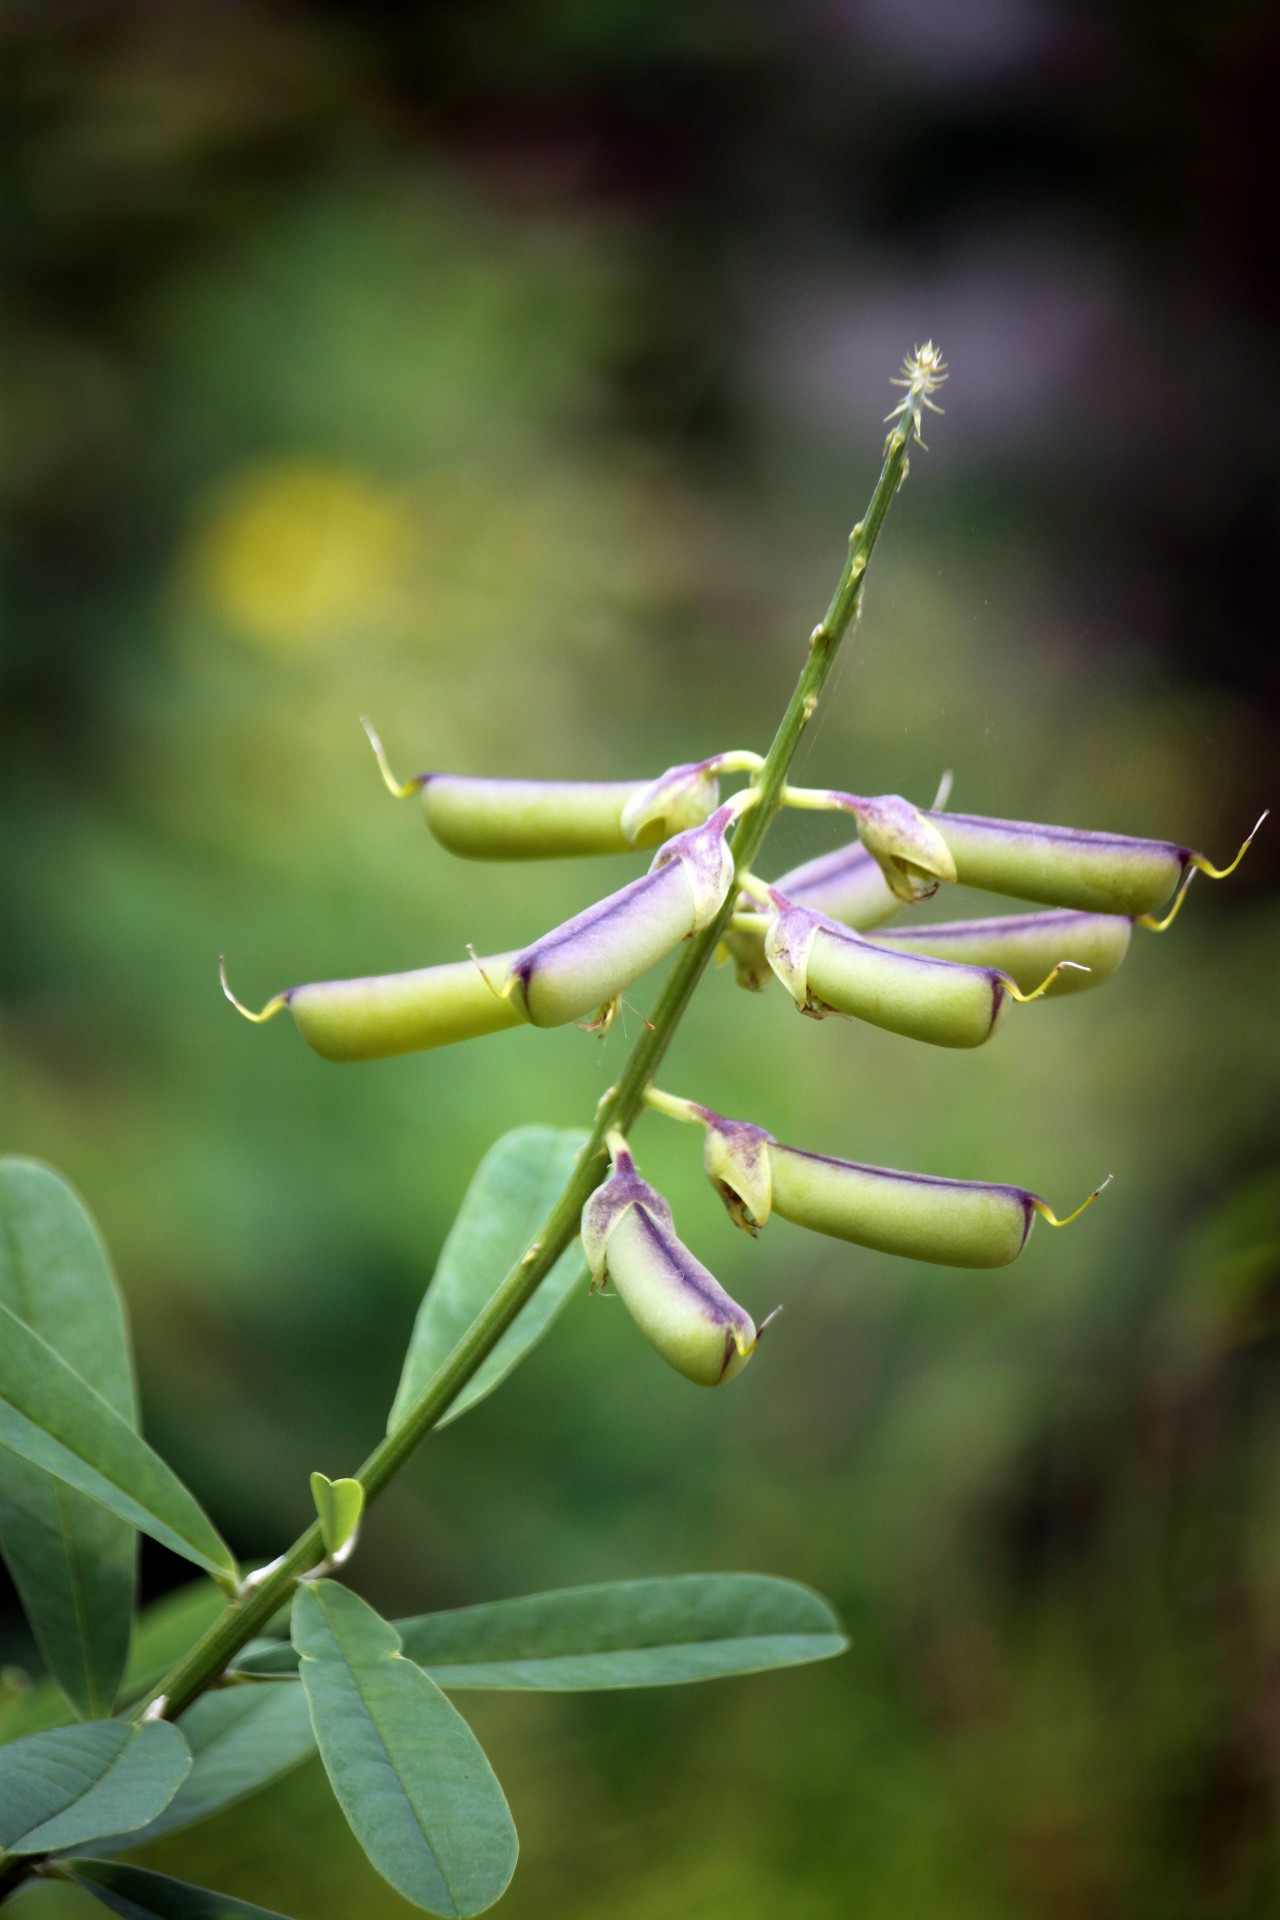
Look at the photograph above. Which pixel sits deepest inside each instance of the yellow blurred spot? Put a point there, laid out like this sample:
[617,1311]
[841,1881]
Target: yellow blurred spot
[295,548]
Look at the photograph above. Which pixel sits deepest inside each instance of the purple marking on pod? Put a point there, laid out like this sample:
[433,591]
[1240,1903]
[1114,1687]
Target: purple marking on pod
[1063,866]
[588,961]
[678,1305]
[629,1238]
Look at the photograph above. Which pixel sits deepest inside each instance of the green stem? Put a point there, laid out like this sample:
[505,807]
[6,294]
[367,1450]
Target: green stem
[247,1615]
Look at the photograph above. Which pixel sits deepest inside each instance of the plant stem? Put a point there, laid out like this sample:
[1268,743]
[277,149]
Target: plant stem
[247,1615]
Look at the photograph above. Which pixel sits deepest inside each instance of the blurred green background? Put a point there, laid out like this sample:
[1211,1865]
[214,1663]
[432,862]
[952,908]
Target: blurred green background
[513,375]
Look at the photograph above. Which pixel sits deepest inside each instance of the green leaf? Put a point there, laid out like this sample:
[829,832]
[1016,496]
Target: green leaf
[513,1190]
[339,1504]
[162,1633]
[73,1563]
[408,1772]
[60,1789]
[54,1419]
[240,1738]
[140,1895]
[625,1633]
[629,1633]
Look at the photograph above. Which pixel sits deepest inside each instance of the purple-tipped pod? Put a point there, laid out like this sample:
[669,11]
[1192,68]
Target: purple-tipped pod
[956,1223]
[586,963]
[1026,946]
[827,969]
[394,1013]
[682,1310]
[1066,867]
[486,819]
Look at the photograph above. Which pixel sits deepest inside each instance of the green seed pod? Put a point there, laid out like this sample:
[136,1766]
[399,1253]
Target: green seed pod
[1065,867]
[485,819]
[682,1310]
[393,1013]
[586,963]
[1027,946]
[957,1223]
[828,969]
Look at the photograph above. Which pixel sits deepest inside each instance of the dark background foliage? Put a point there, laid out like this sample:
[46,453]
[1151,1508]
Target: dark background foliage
[514,374]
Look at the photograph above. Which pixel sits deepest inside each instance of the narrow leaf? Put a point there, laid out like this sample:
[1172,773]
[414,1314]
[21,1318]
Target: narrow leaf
[513,1190]
[54,1419]
[140,1895]
[339,1504]
[60,1789]
[240,1739]
[631,1633]
[162,1633]
[73,1563]
[407,1770]
[626,1633]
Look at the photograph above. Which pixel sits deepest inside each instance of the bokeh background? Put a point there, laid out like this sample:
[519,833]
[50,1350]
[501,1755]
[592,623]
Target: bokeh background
[514,374]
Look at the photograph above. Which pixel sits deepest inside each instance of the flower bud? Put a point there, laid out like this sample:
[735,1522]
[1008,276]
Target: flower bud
[682,1310]
[588,961]
[828,969]
[1026,946]
[1066,867]
[392,1013]
[957,1223]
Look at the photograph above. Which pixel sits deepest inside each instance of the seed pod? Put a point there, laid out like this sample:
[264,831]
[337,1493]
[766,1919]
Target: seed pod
[1066,867]
[846,885]
[682,1310]
[957,1223]
[1026,946]
[587,962]
[486,819]
[394,1013]
[828,969]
